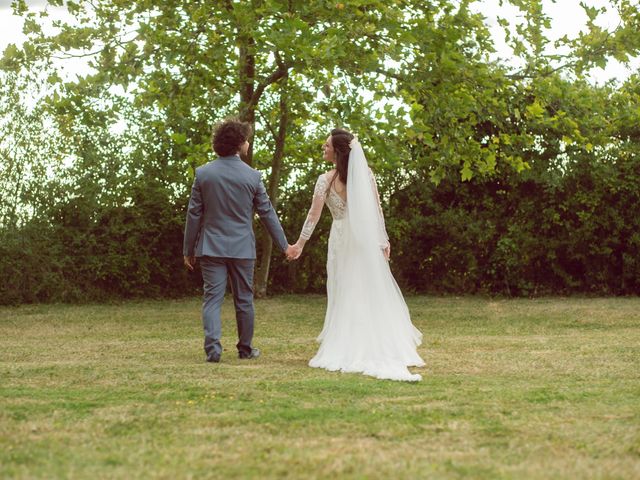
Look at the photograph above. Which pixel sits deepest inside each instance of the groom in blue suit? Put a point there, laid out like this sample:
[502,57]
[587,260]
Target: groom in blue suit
[219,232]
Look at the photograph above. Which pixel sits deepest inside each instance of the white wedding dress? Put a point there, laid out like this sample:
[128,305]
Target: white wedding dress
[367,327]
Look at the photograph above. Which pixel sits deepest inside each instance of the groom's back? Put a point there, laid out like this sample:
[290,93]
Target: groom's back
[228,187]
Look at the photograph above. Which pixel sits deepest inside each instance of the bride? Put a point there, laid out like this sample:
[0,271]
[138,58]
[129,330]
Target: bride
[367,327]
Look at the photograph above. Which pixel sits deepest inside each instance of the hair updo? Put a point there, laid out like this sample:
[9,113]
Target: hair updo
[340,140]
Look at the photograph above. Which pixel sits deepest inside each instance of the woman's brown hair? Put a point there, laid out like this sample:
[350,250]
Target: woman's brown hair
[340,140]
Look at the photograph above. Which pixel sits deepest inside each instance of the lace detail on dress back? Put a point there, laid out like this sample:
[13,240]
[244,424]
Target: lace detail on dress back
[336,204]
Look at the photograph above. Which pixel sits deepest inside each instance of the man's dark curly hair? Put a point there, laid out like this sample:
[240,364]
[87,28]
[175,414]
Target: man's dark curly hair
[228,136]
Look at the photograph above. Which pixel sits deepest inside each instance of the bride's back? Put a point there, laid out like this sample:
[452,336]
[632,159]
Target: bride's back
[334,193]
[336,184]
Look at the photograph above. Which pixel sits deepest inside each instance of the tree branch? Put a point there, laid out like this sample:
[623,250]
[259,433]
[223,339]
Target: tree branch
[267,124]
[280,72]
[115,42]
[389,74]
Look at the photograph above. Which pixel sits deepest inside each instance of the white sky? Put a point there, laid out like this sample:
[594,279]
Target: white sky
[567,16]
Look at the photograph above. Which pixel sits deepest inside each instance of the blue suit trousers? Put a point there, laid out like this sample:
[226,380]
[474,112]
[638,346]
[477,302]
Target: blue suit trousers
[215,271]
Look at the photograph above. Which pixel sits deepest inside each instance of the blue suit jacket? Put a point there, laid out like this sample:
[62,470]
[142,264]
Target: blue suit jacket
[224,197]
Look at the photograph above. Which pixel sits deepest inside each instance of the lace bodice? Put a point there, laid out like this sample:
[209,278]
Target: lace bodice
[337,206]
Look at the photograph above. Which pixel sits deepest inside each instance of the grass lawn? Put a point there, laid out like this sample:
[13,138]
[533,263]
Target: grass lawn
[546,388]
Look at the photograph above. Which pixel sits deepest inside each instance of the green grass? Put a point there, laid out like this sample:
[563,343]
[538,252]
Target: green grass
[546,388]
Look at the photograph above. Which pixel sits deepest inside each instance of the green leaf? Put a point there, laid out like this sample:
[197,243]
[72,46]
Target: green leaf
[535,110]
[11,58]
[466,173]
[179,138]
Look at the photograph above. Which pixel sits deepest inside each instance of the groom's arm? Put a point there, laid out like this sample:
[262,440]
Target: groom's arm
[194,217]
[269,217]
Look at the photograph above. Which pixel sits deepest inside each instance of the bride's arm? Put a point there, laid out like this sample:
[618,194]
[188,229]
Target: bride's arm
[374,187]
[317,203]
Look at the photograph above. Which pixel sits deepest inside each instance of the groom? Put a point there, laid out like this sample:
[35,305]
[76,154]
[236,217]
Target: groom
[219,231]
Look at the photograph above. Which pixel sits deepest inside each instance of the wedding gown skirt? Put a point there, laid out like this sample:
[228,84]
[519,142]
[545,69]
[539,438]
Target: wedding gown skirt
[367,327]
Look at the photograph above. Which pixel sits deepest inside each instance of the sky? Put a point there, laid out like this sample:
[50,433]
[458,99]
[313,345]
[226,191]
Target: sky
[567,16]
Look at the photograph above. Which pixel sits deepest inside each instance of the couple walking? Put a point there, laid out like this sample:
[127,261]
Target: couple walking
[367,327]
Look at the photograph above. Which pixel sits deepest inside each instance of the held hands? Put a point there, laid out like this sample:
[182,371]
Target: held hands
[294,251]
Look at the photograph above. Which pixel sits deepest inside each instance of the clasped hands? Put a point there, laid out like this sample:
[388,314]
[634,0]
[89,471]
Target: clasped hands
[293,252]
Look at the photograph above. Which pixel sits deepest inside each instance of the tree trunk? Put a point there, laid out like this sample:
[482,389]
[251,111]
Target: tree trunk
[247,73]
[262,275]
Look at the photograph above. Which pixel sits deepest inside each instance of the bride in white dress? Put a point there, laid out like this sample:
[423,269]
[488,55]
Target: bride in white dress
[367,327]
